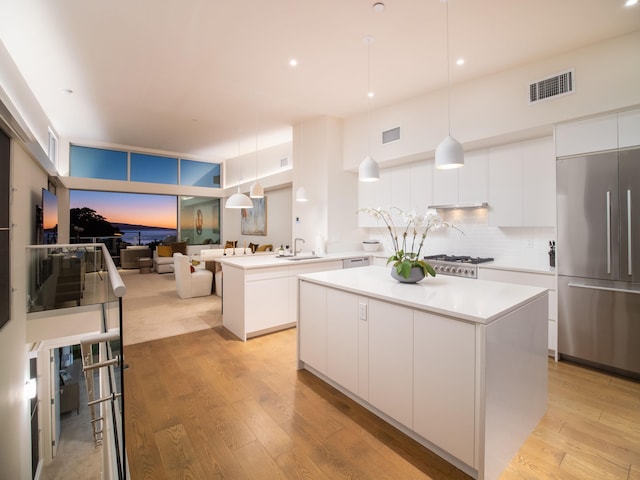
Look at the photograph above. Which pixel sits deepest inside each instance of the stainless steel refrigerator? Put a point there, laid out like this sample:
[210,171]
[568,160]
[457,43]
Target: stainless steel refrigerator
[598,260]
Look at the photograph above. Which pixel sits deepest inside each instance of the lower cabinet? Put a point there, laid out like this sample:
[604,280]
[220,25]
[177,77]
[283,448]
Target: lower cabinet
[342,338]
[441,395]
[418,368]
[391,360]
[312,326]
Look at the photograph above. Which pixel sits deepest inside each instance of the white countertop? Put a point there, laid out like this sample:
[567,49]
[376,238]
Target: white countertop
[520,266]
[250,261]
[478,301]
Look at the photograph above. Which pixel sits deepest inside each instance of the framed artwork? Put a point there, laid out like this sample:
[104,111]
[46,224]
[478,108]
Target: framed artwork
[254,220]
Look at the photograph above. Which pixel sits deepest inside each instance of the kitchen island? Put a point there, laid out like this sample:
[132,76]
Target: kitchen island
[260,292]
[460,365]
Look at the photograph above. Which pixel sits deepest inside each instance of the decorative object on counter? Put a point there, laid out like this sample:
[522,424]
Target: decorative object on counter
[552,253]
[370,245]
[406,255]
[415,275]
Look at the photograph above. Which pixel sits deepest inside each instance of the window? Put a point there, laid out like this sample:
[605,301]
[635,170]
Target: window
[153,169]
[199,174]
[87,162]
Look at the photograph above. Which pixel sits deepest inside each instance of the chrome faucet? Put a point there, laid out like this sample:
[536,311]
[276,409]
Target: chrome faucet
[295,246]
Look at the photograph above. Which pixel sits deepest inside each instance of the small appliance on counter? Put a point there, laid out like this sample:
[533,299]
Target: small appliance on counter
[459,266]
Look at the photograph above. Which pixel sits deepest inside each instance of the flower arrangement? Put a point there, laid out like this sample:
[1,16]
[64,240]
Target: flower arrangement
[408,245]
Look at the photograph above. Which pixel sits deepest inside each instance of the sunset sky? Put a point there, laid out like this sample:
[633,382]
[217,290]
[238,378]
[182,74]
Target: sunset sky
[134,208]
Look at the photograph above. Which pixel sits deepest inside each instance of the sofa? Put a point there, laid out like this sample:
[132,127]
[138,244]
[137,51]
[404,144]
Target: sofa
[129,256]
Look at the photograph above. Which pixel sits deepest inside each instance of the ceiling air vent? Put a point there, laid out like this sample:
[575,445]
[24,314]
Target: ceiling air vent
[391,135]
[560,84]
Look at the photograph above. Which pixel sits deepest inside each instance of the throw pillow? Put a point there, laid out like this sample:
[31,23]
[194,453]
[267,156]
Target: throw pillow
[231,244]
[193,269]
[164,251]
[253,247]
[179,247]
[267,247]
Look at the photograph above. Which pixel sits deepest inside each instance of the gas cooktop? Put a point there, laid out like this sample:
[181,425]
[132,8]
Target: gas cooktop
[459,266]
[459,259]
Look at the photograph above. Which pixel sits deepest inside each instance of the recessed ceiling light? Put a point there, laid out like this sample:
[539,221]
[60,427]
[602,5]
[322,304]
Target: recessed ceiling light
[293,62]
[460,61]
[370,94]
[378,7]
[630,3]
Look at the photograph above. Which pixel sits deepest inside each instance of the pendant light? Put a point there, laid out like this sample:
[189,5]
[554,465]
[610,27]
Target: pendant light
[301,192]
[449,154]
[368,170]
[256,190]
[238,200]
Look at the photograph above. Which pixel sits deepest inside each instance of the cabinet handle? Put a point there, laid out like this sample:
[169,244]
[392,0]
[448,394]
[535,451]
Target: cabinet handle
[606,289]
[629,250]
[608,232]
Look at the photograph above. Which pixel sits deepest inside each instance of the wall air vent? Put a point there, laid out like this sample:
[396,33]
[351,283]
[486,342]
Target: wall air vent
[391,135]
[284,162]
[558,85]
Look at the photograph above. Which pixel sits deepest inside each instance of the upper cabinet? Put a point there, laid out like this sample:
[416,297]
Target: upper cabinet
[462,185]
[597,134]
[522,188]
[406,187]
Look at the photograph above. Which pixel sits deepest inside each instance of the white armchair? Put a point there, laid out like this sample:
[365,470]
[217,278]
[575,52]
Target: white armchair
[190,284]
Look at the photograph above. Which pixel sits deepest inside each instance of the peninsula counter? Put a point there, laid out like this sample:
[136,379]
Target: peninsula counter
[458,364]
[260,292]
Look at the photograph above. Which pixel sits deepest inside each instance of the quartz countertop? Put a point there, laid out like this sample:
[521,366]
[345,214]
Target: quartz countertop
[250,261]
[477,301]
[520,266]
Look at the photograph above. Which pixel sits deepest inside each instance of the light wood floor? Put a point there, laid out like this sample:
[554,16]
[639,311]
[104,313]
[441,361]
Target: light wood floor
[206,406]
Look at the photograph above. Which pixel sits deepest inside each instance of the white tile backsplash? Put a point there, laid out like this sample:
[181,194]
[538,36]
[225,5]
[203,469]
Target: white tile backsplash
[478,239]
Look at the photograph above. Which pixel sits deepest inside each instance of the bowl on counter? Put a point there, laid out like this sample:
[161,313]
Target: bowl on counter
[370,245]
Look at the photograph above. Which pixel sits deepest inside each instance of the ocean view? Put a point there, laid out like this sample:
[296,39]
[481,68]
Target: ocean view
[143,236]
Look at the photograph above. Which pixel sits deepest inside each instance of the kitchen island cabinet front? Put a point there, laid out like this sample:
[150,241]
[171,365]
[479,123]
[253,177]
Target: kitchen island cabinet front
[468,382]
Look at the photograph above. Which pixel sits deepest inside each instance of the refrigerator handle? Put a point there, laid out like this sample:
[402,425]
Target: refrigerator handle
[629,249]
[608,232]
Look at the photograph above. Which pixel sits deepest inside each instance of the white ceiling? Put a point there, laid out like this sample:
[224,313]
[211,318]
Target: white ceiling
[201,77]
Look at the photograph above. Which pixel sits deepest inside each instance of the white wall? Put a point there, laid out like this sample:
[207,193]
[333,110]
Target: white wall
[278,221]
[27,180]
[495,109]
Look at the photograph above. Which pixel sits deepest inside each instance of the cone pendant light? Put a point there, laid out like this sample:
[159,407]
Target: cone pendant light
[449,154]
[368,170]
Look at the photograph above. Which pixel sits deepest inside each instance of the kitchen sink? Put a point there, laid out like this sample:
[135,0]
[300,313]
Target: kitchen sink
[302,257]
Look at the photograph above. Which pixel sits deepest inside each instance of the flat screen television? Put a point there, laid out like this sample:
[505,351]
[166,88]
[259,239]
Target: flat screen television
[49,217]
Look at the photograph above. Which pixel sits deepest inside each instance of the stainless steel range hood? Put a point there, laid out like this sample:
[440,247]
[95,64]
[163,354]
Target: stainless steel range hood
[451,206]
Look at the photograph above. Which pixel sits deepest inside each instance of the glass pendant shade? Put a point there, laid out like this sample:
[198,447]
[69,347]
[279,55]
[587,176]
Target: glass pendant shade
[256,190]
[301,195]
[238,200]
[368,170]
[449,154]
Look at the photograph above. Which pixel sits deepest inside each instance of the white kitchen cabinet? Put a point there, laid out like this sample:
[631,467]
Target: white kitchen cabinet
[522,187]
[538,183]
[342,338]
[391,360]
[585,136]
[629,128]
[420,184]
[374,195]
[406,187]
[462,185]
[505,185]
[275,292]
[444,394]
[543,280]
[312,327]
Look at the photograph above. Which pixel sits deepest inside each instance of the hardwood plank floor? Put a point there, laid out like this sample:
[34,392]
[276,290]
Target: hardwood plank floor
[206,406]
